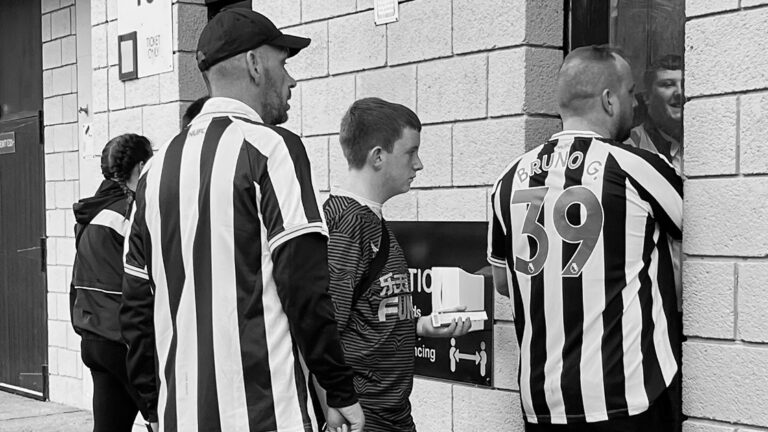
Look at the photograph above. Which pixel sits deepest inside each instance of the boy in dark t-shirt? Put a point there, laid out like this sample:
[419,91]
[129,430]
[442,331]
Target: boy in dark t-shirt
[378,328]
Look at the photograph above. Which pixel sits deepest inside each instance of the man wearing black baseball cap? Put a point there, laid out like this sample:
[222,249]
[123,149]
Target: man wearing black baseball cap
[229,238]
[231,48]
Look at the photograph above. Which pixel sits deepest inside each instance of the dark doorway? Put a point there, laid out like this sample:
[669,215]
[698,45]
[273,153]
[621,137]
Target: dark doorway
[587,23]
[23,328]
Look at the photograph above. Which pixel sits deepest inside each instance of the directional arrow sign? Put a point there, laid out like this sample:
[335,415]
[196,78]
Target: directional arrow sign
[462,356]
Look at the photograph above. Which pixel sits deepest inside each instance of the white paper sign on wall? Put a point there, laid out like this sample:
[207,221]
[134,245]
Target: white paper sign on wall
[152,21]
[385,11]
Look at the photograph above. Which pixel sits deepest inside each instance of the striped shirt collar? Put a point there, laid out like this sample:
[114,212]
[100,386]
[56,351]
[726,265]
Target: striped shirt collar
[575,133]
[373,205]
[220,106]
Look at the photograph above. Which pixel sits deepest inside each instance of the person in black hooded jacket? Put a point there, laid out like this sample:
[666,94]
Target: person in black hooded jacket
[97,275]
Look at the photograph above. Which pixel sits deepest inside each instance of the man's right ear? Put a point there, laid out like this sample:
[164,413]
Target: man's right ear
[607,103]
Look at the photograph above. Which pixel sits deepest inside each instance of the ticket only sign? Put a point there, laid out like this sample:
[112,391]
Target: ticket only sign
[467,359]
[145,37]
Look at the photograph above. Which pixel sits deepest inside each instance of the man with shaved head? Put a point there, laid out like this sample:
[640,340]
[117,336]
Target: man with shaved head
[595,86]
[578,241]
[226,273]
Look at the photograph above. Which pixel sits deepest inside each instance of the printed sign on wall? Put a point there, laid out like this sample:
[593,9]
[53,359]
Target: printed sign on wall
[7,142]
[469,358]
[144,29]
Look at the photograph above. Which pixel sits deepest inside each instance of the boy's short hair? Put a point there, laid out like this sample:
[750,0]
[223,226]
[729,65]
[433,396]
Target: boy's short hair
[372,122]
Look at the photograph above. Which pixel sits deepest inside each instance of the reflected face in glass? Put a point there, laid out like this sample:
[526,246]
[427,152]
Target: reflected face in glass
[665,97]
[401,165]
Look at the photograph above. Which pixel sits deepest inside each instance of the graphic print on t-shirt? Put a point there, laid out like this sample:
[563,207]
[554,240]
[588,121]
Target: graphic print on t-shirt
[396,300]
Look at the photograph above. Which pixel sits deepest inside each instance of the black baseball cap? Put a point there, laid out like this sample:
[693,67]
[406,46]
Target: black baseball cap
[236,30]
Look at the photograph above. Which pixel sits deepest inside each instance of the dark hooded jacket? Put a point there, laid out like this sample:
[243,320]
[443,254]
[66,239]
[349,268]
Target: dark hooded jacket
[97,277]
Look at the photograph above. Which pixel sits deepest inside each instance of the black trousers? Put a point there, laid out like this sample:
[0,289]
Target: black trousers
[660,417]
[115,402]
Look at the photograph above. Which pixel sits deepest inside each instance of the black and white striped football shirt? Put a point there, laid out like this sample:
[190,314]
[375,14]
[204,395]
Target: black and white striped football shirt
[213,206]
[581,223]
[378,331]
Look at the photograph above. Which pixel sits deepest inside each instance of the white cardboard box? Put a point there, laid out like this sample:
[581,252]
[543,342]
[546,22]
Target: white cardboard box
[453,287]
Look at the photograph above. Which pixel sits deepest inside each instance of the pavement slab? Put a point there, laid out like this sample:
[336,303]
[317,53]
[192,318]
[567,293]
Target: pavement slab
[21,414]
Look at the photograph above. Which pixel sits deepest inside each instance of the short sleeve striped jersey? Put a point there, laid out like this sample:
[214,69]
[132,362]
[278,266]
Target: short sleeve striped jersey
[212,206]
[378,331]
[581,223]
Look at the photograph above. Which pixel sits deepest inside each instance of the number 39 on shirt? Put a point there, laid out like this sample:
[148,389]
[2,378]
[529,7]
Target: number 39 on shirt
[586,234]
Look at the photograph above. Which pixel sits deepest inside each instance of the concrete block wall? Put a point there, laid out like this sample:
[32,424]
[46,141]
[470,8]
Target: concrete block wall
[726,219]
[480,75]
[69,380]
[151,106]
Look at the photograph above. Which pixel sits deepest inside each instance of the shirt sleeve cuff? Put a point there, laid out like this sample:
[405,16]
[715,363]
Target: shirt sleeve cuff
[295,231]
[342,397]
[498,262]
[136,272]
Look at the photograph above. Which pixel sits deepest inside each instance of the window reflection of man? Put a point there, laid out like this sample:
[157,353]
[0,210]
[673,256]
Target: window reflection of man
[662,132]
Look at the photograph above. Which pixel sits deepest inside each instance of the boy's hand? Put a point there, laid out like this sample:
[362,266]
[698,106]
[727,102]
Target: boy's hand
[457,328]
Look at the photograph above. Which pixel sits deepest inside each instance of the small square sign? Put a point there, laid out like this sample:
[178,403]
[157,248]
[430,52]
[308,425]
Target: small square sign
[126,48]
[385,11]
[7,142]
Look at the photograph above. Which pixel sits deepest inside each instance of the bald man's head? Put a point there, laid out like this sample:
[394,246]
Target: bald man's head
[585,73]
[595,83]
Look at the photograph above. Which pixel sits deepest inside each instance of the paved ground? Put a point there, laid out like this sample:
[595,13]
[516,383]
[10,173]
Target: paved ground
[20,414]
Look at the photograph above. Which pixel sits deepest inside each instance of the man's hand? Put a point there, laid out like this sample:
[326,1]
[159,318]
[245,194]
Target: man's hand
[424,327]
[345,419]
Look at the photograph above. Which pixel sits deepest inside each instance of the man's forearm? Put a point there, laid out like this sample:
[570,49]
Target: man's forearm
[137,328]
[301,274]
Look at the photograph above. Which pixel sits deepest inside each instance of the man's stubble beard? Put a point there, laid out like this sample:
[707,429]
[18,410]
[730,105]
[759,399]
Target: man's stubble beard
[275,111]
[624,131]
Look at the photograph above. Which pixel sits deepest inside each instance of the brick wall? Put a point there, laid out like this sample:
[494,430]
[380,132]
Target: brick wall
[151,106]
[726,217]
[480,74]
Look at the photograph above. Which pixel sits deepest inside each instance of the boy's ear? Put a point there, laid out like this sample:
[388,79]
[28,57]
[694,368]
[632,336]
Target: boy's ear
[376,157]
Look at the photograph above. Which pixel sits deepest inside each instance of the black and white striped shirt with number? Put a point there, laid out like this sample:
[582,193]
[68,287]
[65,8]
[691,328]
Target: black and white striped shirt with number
[580,224]
[213,205]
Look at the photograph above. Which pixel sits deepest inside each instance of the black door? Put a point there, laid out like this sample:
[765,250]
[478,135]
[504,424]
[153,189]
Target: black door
[23,339]
[23,327]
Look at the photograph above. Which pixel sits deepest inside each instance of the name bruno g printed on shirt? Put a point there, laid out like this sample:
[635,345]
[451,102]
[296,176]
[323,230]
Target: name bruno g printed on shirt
[586,234]
[469,358]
